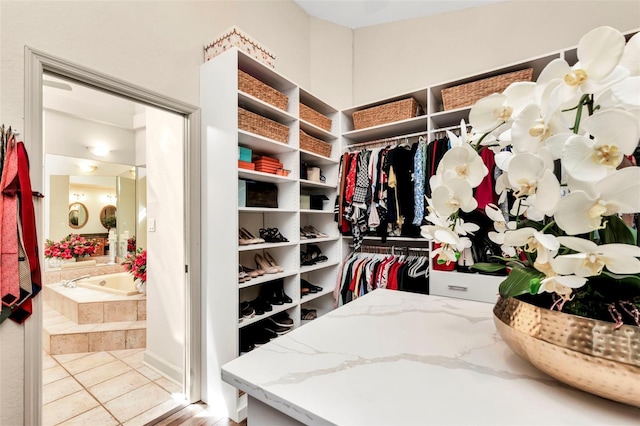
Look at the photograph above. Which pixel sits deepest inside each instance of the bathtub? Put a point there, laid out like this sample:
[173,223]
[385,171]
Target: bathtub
[121,283]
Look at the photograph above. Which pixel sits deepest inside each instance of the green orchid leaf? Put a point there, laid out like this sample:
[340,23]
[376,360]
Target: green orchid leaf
[519,282]
[633,280]
[616,231]
[488,267]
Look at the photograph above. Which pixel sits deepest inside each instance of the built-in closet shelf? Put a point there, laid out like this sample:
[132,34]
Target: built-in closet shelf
[266,278]
[309,211]
[261,246]
[262,145]
[317,132]
[317,266]
[313,158]
[318,240]
[403,127]
[392,239]
[312,296]
[276,309]
[264,177]
[309,184]
[449,118]
[264,210]
[258,106]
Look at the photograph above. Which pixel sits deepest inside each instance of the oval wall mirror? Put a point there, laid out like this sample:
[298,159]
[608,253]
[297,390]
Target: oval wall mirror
[78,215]
[108,216]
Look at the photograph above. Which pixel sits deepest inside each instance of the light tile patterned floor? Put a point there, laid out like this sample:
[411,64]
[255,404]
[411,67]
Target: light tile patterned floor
[103,389]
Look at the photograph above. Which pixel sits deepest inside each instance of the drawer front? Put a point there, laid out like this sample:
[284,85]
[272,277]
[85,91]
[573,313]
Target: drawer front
[481,288]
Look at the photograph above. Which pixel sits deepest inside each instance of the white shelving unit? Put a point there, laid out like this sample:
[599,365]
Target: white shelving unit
[221,99]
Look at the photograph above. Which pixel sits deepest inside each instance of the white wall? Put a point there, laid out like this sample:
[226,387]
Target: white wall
[400,57]
[166,312]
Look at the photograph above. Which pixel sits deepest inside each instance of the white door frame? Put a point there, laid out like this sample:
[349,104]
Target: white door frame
[37,63]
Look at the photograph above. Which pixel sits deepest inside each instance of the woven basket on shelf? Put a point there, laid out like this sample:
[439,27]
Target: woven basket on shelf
[260,125]
[314,117]
[467,94]
[254,87]
[387,113]
[309,143]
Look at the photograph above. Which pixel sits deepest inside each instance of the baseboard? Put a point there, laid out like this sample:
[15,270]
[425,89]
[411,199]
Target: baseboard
[168,370]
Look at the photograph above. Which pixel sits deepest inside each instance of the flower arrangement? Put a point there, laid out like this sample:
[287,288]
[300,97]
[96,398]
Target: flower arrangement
[559,143]
[71,246]
[131,244]
[136,264]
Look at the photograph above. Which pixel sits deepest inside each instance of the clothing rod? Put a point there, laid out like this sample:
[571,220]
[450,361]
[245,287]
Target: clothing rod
[411,135]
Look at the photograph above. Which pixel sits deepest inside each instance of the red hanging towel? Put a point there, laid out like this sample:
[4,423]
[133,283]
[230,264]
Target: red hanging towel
[9,273]
[28,221]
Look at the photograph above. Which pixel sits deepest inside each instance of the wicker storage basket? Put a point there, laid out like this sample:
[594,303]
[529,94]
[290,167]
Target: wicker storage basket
[309,143]
[260,125]
[387,113]
[469,93]
[314,117]
[264,92]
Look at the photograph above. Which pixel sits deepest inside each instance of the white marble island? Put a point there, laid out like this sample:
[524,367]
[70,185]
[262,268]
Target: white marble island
[395,358]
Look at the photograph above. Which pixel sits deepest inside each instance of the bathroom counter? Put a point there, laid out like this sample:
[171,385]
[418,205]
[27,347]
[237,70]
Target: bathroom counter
[396,358]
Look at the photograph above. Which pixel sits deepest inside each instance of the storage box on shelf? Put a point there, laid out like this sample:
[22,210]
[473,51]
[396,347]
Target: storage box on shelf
[314,117]
[387,113]
[315,145]
[254,123]
[235,37]
[467,94]
[262,91]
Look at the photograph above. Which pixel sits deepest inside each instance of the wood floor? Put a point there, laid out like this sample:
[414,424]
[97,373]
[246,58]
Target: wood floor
[195,415]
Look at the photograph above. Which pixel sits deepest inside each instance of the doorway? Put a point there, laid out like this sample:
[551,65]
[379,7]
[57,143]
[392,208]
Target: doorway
[110,346]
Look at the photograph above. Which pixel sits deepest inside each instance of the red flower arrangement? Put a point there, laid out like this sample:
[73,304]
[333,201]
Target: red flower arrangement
[131,244]
[71,246]
[136,264]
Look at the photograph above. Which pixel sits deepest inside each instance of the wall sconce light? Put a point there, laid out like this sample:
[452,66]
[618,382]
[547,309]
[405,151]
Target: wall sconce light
[99,150]
[78,197]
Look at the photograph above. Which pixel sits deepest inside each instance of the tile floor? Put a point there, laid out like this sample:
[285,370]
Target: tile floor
[103,388]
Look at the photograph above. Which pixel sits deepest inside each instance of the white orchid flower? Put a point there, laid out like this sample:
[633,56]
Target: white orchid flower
[464,138]
[455,194]
[462,162]
[530,175]
[501,226]
[582,211]
[599,52]
[591,258]
[450,242]
[533,241]
[530,129]
[562,285]
[610,135]
[489,112]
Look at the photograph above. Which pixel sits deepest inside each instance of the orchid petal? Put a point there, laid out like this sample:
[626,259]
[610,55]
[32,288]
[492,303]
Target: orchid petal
[571,280]
[631,57]
[572,215]
[567,265]
[548,193]
[578,244]
[623,264]
[600,51]
[485,113]
[622,250]
[578,160]
[548,241]
[519,94]
[523,168]
[614,127]
[494,213]
[628,91]
[555,69]
[523,124]
[556,143]
[446,236]
[519,237]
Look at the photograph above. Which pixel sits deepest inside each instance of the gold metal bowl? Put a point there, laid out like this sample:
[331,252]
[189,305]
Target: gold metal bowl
[581,352]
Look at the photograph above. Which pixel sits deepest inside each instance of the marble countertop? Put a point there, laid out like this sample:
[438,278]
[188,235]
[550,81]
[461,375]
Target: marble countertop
[396,358]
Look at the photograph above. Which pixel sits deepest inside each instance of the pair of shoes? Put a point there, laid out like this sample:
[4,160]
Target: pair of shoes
[308,314]
[267,263]
[245,238]
[311,232]
[271,324]
[312,256]
[272,235]
[282,319]
[306,287]
[242,275]
[255,335]
[260,306]
[245,310]
[273,293]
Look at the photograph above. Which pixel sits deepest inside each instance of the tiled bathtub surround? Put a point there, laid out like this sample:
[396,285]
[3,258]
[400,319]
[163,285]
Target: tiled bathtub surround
[57,275]
[104,388]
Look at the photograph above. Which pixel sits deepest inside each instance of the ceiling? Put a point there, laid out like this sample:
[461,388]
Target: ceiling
[364,13]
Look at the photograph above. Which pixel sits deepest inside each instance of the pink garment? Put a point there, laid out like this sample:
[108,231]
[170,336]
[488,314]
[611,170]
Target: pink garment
[9,273]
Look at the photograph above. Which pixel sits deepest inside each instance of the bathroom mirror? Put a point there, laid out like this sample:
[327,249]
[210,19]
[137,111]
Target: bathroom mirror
[78,215]
[108,216]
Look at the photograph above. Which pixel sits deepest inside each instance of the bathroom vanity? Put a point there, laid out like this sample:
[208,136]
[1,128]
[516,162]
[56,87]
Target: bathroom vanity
[397,358]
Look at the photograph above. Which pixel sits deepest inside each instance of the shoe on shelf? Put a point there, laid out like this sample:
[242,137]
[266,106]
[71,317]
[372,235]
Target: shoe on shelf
[246,340]
[282,319]
[242,240]
[261,335]
[253,273]
[269,294]
[270,324]
[246,310]
[249,237]
[260,306]
[278,289]
[313,231]
[262,263]
[243,276]
[308,314]
[304,234]
[272,261]
[272,235]
[316,254]
[312,287]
